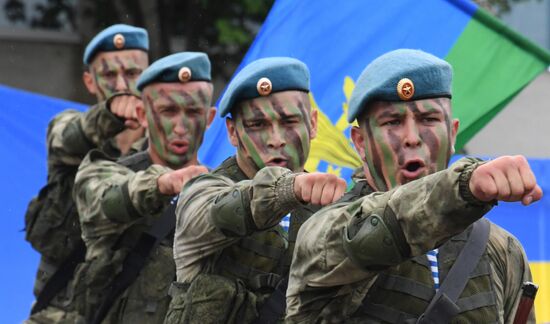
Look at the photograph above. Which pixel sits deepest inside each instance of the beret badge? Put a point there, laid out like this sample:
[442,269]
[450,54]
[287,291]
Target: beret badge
[405,89]
[118,41]
[184,74]
[264,87]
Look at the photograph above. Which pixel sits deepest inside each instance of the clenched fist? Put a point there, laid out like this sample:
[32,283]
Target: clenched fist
[508,178]
[171,182]
[319,188]
[124,106]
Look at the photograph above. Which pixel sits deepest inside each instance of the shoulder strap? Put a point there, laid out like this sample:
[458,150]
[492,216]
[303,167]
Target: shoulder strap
[60,278]
[136,259]
[443,306]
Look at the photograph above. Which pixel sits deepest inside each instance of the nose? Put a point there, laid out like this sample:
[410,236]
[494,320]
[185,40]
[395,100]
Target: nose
[412,135]
[276,137]
[121,84]
[179,127]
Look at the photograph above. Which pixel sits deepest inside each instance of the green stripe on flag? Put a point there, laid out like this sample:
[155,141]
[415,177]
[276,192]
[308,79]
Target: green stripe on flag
[491,65]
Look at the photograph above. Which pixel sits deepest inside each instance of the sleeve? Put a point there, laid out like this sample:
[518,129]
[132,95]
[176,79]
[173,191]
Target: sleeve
[270,195]
[107,193]
[71,134]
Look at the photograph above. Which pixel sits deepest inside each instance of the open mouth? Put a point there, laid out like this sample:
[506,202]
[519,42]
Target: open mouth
[413,166]
[179,147]
[413,169]
[277,162]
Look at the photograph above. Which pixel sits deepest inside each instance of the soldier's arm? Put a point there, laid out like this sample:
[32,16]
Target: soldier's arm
[255,205]
[72,134]
[107,192]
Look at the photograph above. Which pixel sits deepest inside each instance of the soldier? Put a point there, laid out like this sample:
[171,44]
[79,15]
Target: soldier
[114,60]
[124,206]
[232,255]
[364,259]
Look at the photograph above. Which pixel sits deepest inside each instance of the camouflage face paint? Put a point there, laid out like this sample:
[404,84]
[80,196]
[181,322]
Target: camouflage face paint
[177,117]
[406,140]
[117,71]
[274,130]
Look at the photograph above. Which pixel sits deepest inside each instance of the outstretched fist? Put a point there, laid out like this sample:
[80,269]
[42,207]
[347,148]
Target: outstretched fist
[319,188]
[507,178]
[124,106]
[171,182]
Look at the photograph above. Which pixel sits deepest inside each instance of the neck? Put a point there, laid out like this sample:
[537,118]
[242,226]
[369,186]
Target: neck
[244,164]
[126,138]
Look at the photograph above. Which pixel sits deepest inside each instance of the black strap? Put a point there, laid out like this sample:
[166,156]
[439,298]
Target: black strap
[136,259]
[60,278]
[274,307]
[444,305]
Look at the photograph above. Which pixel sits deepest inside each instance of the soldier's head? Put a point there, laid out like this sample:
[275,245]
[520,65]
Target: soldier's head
[114,59]
[402,103]
[271,121]
[177,99]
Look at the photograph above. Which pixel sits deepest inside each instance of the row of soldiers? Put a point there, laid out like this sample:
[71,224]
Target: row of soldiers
[131,228]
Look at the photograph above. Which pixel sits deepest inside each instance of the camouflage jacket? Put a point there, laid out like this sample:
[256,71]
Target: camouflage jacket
[327,287]
[197,240]
[51,221]
[110,236]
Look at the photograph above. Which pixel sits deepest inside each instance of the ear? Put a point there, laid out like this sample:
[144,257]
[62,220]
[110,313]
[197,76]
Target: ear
[89,82]
[141,114]
[359,141]
[314,114]
[210,116]
[232,132]
[455,123]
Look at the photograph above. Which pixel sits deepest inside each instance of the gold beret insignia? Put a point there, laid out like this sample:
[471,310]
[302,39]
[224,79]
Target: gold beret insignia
[405,89]
[118,41]
[264,87]
[184,74]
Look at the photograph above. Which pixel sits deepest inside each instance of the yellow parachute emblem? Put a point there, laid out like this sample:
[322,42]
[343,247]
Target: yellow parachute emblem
[331,145]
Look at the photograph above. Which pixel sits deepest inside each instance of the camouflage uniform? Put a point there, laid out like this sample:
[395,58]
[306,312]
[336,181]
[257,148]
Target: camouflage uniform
[110,236]
[51,221]
[224,277]
[327,287]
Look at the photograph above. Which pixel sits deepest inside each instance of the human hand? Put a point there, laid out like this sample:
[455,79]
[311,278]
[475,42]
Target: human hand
[319,188]
[124,106]
[507,178]
[171,182]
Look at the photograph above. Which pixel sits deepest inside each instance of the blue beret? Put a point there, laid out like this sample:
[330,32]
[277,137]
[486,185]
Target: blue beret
[401,75]
[180,67]
[115,38]
[277,73]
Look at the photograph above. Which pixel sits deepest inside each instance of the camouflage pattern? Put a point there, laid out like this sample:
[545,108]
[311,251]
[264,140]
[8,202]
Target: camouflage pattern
[52,225]
[109,239]
[327,287]
[207,288]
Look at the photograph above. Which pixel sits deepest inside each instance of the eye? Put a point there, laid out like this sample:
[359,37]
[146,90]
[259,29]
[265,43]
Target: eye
[132,73]
[291,121]
[431,120]
[168,110]
[109,74]
[255,124]
[391,122]
[194,111]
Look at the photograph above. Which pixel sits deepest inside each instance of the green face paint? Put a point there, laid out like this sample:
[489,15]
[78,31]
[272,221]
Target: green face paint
[273,131]
[405,141]
[117,71]
[177,116]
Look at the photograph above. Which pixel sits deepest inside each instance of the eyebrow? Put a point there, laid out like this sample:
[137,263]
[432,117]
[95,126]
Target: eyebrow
[389,114]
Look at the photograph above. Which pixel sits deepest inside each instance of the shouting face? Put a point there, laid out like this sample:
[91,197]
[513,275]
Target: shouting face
[114,72]
[273,131]
[176,117]
[403,141]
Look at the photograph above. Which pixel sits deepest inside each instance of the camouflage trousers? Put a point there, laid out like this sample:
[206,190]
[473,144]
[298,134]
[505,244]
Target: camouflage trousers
[211,299]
